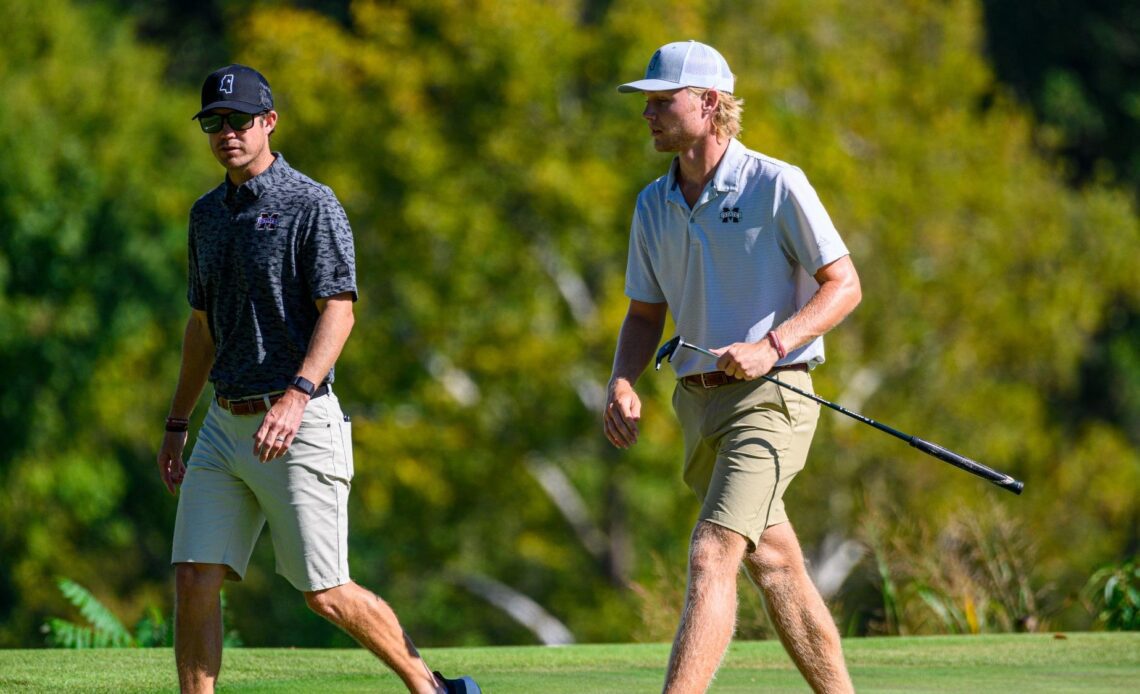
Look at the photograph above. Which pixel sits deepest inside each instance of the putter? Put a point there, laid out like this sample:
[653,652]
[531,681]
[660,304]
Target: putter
[945,455]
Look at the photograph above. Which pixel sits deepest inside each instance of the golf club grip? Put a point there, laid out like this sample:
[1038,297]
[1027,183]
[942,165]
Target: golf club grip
[972,466]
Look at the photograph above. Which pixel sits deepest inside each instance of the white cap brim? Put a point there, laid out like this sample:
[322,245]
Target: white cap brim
[665,86]
[649,86]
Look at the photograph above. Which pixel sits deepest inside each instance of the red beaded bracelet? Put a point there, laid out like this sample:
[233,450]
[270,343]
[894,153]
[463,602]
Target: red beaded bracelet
[776,344]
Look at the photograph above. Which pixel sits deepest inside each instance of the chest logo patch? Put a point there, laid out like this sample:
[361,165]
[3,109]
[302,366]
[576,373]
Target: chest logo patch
[267,221]
[730,214]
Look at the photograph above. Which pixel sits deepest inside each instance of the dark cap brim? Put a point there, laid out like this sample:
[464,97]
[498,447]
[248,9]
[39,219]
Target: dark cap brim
[242,106]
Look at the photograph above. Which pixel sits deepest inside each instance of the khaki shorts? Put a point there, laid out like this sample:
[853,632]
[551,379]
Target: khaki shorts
[744,443]
[229,494]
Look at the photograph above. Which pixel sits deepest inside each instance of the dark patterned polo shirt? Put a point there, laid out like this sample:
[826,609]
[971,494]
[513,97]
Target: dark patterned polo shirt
[260,255]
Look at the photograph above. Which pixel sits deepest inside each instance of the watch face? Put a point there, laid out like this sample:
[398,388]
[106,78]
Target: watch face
[304,384]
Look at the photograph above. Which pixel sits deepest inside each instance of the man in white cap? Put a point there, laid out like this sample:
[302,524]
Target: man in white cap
[738,248]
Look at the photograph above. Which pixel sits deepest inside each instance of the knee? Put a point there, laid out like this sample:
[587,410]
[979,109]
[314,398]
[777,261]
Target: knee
[714,551]
[326,603]
[772,567]
[320,603]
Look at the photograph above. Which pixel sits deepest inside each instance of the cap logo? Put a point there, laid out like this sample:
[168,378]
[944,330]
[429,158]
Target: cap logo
[226,86]
[653,62]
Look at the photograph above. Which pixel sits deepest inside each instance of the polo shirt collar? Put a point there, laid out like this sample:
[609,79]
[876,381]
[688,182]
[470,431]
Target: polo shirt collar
[256,186]
[727,176]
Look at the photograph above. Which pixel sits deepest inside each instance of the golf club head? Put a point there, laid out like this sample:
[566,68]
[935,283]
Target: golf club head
[666,351]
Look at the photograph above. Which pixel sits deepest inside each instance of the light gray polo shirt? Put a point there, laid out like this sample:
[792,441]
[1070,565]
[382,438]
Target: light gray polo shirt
[740,262]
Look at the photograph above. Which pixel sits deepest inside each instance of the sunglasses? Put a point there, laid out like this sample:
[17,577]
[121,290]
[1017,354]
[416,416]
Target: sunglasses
[238,121]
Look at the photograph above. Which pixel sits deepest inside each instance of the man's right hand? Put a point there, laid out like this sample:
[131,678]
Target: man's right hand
[170,466]
[623,411]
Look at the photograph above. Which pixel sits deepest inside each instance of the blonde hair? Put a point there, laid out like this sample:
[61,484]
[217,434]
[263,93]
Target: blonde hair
[726,120]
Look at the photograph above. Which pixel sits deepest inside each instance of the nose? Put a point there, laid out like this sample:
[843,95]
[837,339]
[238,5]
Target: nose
[648,113]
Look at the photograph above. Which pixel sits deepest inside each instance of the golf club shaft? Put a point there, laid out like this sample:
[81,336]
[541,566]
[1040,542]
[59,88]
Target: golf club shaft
[959,461]
[945,455]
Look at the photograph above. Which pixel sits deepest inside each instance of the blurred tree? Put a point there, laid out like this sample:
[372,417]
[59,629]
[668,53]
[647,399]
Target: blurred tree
[489,169]
[196,35]
[94,190]
[1077,63]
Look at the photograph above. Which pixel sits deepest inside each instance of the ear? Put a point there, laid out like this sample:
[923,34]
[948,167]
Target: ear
[710,100]
[271,121]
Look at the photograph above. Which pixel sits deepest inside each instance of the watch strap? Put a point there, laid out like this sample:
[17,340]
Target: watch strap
[304,385]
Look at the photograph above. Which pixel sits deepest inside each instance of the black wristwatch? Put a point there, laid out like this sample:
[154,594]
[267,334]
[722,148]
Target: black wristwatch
[304,385]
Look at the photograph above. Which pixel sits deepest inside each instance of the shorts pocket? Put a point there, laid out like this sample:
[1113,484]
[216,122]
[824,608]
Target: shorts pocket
[345,427]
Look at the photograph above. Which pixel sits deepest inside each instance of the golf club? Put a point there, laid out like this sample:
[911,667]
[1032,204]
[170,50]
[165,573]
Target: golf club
[973,467]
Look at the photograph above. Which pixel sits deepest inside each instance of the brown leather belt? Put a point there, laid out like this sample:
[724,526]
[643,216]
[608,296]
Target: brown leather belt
[714,379]
[261,403]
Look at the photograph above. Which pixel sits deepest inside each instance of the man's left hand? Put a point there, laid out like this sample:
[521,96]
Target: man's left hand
[746,360]
[280,425]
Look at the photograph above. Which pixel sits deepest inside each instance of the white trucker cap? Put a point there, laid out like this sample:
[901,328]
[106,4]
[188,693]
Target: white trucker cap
[684,64]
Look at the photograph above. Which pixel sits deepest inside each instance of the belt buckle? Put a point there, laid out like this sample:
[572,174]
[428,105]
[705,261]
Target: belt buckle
[240,407]
[705,384]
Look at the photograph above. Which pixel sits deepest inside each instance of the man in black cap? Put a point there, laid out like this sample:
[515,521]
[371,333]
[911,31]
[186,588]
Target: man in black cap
[272,283]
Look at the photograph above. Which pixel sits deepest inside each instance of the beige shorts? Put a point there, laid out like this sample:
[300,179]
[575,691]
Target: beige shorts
[744,443]
[228,495]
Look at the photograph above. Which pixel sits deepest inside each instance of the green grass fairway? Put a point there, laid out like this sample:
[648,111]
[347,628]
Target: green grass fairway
[1038,663]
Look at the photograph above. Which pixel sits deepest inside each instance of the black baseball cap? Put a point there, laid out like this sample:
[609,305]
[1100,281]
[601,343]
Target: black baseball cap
[236,87]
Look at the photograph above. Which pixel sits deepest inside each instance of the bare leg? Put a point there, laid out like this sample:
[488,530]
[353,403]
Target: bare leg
[709,617]
[198,626]
[369,620]
[798,613]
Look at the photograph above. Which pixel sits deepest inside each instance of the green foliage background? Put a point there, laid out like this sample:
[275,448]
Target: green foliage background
[489,169]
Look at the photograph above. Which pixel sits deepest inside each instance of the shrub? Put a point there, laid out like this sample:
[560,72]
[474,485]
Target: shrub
[1114,593]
